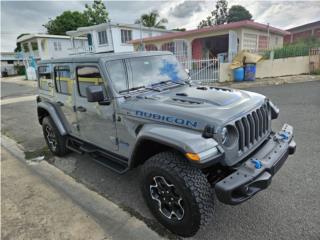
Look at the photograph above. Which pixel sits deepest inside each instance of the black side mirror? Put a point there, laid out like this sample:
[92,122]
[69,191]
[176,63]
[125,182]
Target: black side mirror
[95,93]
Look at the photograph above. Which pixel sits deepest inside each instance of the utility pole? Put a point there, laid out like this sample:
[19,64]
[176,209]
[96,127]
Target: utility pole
[141,46]
[268,29]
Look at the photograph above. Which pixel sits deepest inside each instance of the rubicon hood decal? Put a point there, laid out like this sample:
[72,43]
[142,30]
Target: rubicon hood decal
[167,119]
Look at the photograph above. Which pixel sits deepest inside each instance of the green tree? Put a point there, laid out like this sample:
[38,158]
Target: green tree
[218,16]
[67,21]
[238,13]
[221,12]
[97,13]
[151,20]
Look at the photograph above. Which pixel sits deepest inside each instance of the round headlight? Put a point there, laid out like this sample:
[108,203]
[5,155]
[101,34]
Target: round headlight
[228,135]
[224,135]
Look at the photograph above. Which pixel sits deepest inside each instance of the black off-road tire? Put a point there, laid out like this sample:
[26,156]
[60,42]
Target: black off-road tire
[60,149]
[190,183]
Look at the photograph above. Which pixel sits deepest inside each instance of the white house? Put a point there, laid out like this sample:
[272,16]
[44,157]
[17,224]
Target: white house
[36,47]
[221,41]
[45,46]
[112,37]
[9,62]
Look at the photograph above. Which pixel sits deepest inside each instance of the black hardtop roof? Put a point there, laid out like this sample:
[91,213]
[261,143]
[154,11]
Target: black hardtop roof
[105,56]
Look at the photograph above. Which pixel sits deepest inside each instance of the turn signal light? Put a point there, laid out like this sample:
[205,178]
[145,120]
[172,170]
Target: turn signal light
[193,156]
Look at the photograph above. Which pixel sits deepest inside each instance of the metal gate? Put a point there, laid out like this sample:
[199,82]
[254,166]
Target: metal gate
[203,70]
[314,60]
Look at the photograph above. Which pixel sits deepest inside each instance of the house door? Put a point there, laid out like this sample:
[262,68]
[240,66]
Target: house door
[89,36]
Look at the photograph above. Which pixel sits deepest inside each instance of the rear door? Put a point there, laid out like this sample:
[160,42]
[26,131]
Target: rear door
[96,122]
[65,98]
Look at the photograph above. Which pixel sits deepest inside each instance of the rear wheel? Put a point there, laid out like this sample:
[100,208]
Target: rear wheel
[56,143]
[178,195]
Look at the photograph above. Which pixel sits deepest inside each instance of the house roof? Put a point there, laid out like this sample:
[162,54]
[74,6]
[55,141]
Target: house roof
[317,23]
[42,35]
[4,56]
[115,24]
[235,25]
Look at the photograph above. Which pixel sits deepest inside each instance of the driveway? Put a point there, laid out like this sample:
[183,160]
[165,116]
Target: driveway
[288,209]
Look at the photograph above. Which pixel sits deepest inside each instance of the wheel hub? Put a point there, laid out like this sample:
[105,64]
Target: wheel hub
[51,137]
[169,202]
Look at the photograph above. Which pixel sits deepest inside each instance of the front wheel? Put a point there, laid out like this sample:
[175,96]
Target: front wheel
[56,143]
[177,194]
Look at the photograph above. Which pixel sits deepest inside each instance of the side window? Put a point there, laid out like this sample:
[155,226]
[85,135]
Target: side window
[62,79]
[45,81]
[87,76]
[126,35]
[103,39]
[117,74]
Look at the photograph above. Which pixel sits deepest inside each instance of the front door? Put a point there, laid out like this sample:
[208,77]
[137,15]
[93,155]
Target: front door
[64,97]
[96,122]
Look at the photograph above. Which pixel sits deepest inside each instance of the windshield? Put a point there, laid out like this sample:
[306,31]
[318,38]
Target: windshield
[146,71]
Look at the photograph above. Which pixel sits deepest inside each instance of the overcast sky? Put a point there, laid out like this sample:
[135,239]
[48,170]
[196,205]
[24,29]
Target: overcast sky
[28,16]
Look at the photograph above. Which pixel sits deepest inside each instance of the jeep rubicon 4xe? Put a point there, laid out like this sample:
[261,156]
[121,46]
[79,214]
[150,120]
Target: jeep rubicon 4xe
[191,141]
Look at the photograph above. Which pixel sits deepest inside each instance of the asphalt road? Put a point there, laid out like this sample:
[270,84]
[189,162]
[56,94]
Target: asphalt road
[288,209]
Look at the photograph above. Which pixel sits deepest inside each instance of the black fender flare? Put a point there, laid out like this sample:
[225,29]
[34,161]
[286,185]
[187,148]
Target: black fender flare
[56,117]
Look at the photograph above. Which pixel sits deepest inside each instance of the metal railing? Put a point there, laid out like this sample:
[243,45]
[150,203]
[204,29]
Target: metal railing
[81,50]
[203,70]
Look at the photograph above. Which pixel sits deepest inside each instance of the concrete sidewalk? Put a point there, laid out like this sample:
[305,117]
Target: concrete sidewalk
[41,202]
[270,81]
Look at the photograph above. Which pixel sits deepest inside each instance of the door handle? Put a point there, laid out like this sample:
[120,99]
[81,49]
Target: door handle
[60,103]
[81,109]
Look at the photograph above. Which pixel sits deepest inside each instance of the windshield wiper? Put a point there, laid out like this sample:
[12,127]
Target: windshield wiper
[131,89]
[162,82]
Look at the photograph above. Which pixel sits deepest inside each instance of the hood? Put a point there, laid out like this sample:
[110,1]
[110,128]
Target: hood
[193,106]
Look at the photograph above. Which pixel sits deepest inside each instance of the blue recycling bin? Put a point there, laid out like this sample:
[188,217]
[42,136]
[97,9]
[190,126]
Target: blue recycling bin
[238,74]
[250,72]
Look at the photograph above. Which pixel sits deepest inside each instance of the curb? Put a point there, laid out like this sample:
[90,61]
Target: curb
[117,223]
[271,81]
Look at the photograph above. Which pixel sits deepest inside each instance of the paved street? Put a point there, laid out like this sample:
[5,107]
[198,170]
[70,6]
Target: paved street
[288,209]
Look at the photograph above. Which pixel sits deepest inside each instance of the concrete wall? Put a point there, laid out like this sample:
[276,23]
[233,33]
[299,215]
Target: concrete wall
[272,68]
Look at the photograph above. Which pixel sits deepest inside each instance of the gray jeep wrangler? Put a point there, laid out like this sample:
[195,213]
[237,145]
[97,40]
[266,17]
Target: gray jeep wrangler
[140,109]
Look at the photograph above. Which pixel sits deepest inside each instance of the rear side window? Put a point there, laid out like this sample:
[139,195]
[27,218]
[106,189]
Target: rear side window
[87,76]
[45,81]
[63,81]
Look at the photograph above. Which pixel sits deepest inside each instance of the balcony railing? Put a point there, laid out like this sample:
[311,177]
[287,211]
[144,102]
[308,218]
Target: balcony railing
[82,50]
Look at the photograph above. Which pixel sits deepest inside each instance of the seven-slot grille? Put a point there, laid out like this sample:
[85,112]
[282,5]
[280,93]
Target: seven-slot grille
[253,127]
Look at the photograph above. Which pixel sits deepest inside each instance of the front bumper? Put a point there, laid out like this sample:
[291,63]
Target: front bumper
[256,173]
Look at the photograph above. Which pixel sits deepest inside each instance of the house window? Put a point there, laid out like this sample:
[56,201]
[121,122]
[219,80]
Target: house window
[25,47]
[57,46]
[126,36]
[45,81]
[263,42]
[87,76]
[250,42]
[103,38]
[151,47]
[10,62]
[62,79]
[170,46]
